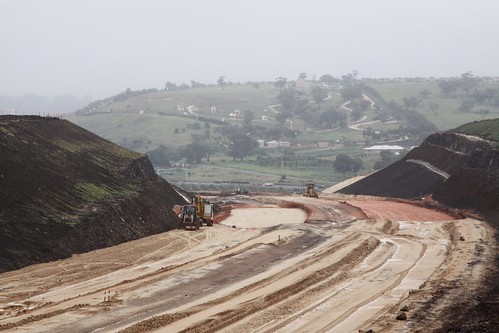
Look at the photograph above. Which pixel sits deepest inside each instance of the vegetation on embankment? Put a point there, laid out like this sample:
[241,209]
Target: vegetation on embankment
[485,129]
[65,190]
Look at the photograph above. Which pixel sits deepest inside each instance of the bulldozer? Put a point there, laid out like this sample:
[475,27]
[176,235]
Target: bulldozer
[310,190]
[204,210]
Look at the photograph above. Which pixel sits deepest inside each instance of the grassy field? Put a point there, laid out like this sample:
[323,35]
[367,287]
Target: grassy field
[447,115]
[146,121]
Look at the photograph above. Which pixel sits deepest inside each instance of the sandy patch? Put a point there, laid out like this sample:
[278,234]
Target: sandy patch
[264,217]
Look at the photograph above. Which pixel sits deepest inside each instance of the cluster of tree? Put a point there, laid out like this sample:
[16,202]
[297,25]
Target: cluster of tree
[292,104]
[281,82]
[466,82]
[475,96]
[330,81]
[170,86]
[331,118]
[344,164]
[123,96]
[416,125]
[236,141]
[353,90]
[387,158]
[192,153]
[482,99]
[163,156]
[131,93]
[240,147]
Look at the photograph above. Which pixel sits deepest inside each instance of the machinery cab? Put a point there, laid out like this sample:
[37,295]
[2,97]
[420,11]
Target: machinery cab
[204,209]
[190,218]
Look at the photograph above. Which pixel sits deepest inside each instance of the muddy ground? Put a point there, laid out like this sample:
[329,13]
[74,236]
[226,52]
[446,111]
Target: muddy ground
[335,265]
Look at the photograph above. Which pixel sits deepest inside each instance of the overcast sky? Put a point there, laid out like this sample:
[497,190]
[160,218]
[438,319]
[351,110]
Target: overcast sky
[102,47]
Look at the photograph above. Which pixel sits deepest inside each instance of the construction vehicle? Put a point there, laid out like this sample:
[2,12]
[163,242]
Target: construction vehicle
[310,190]
[204,210]
[189,218]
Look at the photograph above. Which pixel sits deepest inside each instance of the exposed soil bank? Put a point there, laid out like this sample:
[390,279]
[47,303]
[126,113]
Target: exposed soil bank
[64,190]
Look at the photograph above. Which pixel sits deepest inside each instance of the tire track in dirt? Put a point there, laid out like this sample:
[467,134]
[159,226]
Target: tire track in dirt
[312,239]
[306,301]
[314,299]
[335,275]
[222,319]
[137,282]
[401,276]
[75,303]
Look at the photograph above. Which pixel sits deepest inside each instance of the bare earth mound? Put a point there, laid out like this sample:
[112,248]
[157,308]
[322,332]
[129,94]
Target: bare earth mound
[64,190]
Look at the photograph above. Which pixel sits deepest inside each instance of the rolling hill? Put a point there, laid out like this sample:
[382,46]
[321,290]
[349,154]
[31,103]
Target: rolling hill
[404,112]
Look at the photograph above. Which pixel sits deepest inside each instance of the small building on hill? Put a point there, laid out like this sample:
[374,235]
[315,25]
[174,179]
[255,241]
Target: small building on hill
[272,144]
[379,148]
[284,144]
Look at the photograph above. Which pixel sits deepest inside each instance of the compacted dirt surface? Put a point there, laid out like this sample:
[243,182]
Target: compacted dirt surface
[275,264]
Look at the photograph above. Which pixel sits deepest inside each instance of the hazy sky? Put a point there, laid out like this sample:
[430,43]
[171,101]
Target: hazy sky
[102,47]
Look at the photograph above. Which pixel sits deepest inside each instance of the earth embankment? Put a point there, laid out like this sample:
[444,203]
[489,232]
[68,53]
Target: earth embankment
[65,190]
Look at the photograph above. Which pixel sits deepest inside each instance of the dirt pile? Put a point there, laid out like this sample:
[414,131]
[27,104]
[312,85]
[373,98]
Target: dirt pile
[65,190]
[458,170]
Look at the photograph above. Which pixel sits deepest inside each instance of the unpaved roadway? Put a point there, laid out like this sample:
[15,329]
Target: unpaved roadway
[352,266]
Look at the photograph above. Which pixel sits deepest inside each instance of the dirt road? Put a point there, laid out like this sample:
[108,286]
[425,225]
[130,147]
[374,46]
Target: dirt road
[352,266]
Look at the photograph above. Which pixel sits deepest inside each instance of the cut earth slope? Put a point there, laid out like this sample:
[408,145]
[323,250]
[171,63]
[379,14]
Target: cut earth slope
[65,190]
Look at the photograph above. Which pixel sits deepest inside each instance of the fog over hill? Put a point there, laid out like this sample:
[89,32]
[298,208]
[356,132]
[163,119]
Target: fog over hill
[101,48]
[34,104]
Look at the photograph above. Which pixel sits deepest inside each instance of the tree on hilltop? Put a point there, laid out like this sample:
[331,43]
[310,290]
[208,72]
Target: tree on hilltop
[280,82]
[221,82]
[329,80]
[468,82]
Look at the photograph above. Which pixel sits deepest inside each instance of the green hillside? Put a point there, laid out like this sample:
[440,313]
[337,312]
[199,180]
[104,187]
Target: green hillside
[485,129]
[169,125]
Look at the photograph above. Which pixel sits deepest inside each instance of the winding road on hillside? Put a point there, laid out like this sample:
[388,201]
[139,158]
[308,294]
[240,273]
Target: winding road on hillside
[350,267]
